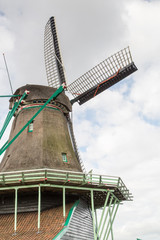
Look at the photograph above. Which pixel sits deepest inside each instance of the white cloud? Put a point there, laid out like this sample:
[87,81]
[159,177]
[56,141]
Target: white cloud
[118,131]
[7,36]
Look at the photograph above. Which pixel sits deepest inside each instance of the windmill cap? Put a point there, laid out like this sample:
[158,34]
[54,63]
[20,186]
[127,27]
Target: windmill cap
[40,92]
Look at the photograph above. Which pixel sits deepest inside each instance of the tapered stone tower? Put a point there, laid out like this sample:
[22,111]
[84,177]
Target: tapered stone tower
[47,142]
[45,191]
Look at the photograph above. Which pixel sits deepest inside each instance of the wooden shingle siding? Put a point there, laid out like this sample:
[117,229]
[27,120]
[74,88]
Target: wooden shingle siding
[81,224]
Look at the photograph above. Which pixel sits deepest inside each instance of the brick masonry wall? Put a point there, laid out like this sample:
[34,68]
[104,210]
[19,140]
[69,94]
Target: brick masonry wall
[51,223]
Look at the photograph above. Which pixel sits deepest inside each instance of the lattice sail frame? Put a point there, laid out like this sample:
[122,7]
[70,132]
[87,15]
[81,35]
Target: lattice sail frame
[102,76]
[53,61]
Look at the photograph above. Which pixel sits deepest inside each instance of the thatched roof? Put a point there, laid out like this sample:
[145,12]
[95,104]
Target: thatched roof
[44,93]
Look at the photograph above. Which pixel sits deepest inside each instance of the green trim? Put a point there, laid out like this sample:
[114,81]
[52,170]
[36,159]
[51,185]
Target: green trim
[10,95]
[30,127]
[70,213]
[66,225]
[64,157]
[58,186]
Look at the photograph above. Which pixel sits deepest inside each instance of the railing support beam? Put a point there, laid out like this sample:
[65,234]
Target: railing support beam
[111,229]
[106,215]
[64,203]
[93,214]
[39,208]
[15,211]
[104,208]
[110,216]
[113,219]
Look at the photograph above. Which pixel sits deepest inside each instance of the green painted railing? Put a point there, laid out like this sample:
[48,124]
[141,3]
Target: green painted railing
[60,176]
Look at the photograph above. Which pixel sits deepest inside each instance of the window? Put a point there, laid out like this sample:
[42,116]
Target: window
[64,157]
[30,127]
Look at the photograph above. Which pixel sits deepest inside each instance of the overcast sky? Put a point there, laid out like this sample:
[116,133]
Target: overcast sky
[118,132]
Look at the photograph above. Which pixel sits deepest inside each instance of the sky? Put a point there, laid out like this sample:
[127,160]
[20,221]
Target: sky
[118,132]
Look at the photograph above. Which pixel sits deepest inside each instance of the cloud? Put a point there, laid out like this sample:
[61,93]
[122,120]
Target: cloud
[124,139]
[118,131]
[7,36]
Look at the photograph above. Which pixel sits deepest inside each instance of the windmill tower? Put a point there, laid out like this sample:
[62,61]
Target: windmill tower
[41,173]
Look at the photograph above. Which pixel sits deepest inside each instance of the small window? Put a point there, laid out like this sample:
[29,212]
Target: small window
[64,157]
[30,127]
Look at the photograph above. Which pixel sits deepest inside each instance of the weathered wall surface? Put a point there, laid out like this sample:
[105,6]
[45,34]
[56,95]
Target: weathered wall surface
[43,147]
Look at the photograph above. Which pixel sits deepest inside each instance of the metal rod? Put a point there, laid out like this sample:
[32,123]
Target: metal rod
[64,203]
[15,211]
[8,73]
[93,215]
[39,207]
[10,95]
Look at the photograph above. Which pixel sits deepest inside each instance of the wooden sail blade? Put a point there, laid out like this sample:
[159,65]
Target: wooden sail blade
[103,76]
[53,61]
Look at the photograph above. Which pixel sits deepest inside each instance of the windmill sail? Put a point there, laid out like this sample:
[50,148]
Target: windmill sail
[103,76]
[41,169]
[53,61]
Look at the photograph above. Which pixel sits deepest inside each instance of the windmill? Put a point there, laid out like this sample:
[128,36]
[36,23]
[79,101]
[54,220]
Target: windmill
[41,169]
